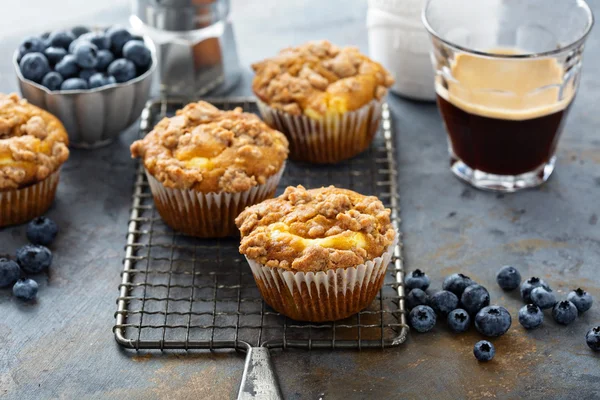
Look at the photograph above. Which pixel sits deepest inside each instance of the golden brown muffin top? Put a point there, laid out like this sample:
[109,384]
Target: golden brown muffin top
[209,150]
[318,79]
[33,143]
[315,230]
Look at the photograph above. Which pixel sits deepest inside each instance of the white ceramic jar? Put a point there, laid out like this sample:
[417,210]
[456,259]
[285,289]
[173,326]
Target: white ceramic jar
[399,41]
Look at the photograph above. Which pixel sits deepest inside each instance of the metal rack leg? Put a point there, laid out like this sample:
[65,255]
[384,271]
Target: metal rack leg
[259,381]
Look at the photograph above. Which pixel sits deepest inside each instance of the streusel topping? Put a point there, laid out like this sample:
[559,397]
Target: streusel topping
[209,150]
[319,78]
[315,230]
[33,143]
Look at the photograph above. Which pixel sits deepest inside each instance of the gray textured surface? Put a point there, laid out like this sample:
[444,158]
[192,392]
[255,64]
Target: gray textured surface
[62,347]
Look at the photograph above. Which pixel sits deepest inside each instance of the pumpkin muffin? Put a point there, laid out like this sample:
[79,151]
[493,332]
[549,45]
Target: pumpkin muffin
[318,255]
[205,166]
[33,147]
[325,99]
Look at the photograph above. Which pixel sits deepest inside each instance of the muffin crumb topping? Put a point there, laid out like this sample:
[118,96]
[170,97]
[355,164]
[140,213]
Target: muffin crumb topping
[209,150]
[315,230]
[319,78]
[33,143]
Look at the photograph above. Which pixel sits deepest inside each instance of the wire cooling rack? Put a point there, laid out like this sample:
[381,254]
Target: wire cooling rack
[185,293]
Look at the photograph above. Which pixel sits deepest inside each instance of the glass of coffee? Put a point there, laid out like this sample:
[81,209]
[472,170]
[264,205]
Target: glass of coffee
[507,72]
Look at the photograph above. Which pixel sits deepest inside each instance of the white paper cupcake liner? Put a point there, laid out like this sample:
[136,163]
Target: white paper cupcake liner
[207,215]
[18,206]
[332,139]
[322,296]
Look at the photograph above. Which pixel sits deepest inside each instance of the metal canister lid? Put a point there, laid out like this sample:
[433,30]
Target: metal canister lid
[181,15]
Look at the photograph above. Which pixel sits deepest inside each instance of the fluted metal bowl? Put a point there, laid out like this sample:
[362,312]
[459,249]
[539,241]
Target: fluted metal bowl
[93,117]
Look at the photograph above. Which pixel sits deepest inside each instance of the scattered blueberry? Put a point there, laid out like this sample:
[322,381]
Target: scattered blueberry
[34,66]
[457,283]
[459,320]
[79,30]
[33,258]
[508,278]
[592,338]
[564,312]
[138,53]
[61,39]
[416,297]
[99,39]
[529,285]
[31,44]
[582,299]
[105,57]
[443,302]
[484,351]
[493,321]
[54,54]
[87,73]
[422,318]
[42,231]
[86,55]
[52,80]
[474,298]
[543,298]
[416,279]
[530,316]
[74,84]
[67,67]
[25,289]
[118,36]
[9,272]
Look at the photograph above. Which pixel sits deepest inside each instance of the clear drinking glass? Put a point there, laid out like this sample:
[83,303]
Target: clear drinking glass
[506,74]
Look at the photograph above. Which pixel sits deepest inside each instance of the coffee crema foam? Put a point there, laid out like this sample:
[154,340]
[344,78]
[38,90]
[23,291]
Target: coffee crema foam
[504,88]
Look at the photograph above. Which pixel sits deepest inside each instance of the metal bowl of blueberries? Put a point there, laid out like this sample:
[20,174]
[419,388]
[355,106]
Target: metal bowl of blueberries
[95,81]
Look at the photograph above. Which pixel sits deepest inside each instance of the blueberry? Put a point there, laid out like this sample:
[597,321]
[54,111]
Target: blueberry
[87,73]
[61,39]
[416,297]
[422,319]
[9,272]
[34,66]
[582,299]
[137,52]
[118,36]
[529,285]
[443,302]
[54,54]
[45,35]
[484,351]
[99,39]
[31,44]
[105,57]
[417,279]
[25,289]
[459,320]
[52,80]
[74,84]
[564,312]
[123,70]
[67,67]
[493,321]
[42,231]
[543,298]
[79,30]
[99,79]
[530,316]
[508,278]
[34,259]
[592,338]
[474,298]
[457,283]
[86,55]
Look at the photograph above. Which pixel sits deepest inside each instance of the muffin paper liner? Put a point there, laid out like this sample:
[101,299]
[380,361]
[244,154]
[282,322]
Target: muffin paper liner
[332,139]
[18,206]
[207,215]
[325,295]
